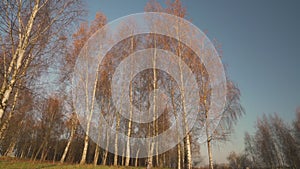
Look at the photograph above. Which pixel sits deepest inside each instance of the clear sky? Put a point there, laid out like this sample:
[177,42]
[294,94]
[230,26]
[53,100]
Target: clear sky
[261,49]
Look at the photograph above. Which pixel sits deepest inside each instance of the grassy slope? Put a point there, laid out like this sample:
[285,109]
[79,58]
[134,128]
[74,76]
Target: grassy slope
[11,163]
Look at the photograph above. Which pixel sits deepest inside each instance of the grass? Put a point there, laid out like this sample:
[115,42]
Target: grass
[13,163]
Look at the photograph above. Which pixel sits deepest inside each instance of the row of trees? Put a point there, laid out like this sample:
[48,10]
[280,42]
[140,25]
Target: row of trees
[275,144]
[38,126]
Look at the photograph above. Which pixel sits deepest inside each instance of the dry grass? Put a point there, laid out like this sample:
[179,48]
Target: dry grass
[15,163]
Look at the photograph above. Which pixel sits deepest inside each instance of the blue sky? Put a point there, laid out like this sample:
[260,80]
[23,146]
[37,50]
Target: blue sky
[260,43]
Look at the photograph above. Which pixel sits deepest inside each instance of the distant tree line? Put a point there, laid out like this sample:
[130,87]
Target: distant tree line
[274,144]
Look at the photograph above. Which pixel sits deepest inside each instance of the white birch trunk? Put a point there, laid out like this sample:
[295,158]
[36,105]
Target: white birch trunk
[17,58]
[127,160]
[211,166]
[187,143]
[116,141]
[178,156]
[137,158]
[68,144]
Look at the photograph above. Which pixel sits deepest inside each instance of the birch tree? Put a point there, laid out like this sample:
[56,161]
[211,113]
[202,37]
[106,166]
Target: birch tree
[174,8]
[72,123]
[273,144]
[80,37]
[31,29]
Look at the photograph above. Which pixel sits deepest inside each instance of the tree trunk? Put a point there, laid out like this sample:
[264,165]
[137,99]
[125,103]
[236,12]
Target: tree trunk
[10,151]
[6,122]
[123,156]
[211,166]
[90,110]
[63,157]
[150,153]
[44,151]
[116,141]
[55,151]
[38,151]
[96,156]
[150,158]
[97,149]
[178,156]
[17,60]
[28,151]
[106,149]
[127,160]
[187,143]
[188,155]
[33,152]
[22,154]
[182,154]
[136,158]
[85,148]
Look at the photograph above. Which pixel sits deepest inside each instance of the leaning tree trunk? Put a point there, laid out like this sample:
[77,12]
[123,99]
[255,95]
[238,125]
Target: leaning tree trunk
[85,148]
[10,150]
[69,143]
[18,56]
[96,155]
[6,122]
[90,110]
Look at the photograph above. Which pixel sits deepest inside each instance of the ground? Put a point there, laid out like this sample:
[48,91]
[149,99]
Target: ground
[13,163]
